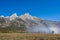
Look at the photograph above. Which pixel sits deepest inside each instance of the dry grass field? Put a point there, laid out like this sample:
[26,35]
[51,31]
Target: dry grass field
[28,36]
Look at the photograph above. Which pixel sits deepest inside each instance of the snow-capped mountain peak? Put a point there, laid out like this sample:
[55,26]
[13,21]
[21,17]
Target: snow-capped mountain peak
[12,17]
[27,16]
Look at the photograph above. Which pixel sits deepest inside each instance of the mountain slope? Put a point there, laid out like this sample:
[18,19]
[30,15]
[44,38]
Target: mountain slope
[31,23]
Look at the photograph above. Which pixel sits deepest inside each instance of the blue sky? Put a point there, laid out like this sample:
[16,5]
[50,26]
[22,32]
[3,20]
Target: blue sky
[46,9]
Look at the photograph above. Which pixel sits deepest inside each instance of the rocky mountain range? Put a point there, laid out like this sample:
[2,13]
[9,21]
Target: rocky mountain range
[31,24]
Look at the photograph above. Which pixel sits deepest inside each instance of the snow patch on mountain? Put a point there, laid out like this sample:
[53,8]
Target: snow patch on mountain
[27,16]
[12,17]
